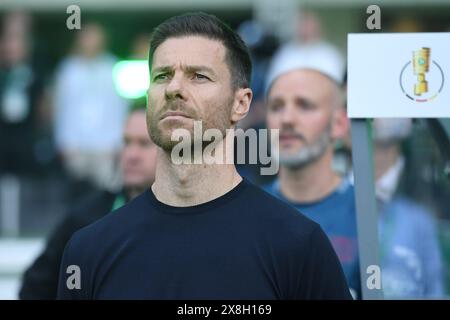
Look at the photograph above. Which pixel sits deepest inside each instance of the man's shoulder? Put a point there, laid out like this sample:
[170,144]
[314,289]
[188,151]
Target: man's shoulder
[111,227]
[264,196]
[92,206]
[270,187]
[411,212]
[344,197]
[346,188]
[278,213]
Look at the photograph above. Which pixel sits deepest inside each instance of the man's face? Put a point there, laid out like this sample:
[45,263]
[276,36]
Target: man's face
[190,81]
[300,104]
[138,158]
[91,40]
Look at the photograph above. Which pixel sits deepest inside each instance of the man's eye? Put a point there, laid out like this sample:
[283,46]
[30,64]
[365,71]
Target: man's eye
[275,107]
[199,76]
[160,77]
[126,142]
[306,106]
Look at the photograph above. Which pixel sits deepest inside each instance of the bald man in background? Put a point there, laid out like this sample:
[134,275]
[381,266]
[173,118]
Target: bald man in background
[306,105]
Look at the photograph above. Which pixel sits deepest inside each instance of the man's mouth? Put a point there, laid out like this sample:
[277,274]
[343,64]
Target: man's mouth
[289,137]
[174,115]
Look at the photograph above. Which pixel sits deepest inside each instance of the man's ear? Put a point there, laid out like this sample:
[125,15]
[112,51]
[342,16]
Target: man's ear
[341,123]
[241,105]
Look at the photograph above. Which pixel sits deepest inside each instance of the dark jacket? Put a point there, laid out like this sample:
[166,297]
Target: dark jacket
[40,281]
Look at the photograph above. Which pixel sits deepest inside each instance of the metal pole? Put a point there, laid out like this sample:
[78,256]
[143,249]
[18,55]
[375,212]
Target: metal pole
[366,211]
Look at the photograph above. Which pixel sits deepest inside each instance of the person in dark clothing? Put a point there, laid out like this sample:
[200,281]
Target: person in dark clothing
[242,245]
[22,103]
[201,231]
[40,281]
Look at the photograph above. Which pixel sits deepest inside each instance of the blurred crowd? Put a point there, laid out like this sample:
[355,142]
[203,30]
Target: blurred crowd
[71,122]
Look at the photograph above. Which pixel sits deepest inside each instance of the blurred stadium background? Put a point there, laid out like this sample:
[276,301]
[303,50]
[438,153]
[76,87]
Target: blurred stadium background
[36,195]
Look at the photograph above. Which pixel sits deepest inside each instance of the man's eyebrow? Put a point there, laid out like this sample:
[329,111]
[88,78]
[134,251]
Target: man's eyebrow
[190,68]
[194,68]
[162,69]
[274,99]
[297,99]
[305,101]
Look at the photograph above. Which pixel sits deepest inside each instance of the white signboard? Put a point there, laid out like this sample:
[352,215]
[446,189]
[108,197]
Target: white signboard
[399,75]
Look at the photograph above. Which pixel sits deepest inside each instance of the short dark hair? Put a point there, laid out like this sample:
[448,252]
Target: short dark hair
[209,26]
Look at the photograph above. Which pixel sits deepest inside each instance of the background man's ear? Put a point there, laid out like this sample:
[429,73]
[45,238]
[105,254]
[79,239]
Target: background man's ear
[341,123]
[241,106]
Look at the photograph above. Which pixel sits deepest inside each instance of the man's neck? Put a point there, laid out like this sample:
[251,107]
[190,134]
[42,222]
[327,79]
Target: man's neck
[133,192]
[310,183]
[187,185]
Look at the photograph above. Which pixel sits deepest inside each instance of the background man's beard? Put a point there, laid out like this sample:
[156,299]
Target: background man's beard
[307,154]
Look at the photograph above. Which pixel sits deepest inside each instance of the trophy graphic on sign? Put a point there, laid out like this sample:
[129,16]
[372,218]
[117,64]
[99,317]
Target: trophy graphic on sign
[421,65]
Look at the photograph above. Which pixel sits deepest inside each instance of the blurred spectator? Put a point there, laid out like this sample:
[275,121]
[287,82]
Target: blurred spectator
[140,47]
[262,45]
[406,24]
[306,105]
[308,47]
[21,96]
[89,114]
[138,160]
[409,248]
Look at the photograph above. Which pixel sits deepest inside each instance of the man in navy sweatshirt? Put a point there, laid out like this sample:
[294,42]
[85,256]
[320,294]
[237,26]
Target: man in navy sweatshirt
[200,231]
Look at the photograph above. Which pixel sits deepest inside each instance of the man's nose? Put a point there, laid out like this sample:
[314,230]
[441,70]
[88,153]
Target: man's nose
[175,87]
[288,115]
[131,153]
